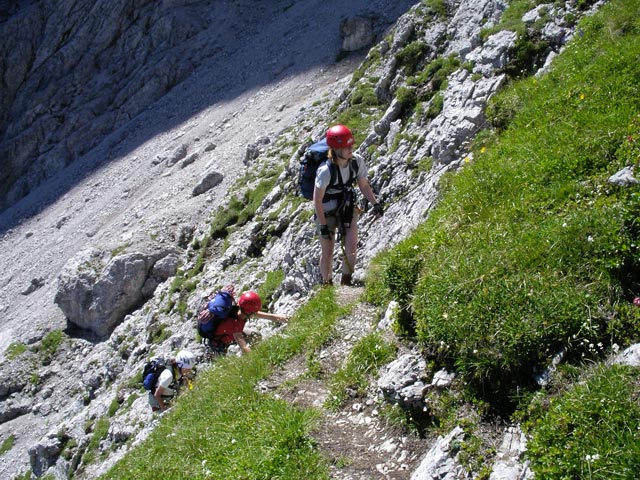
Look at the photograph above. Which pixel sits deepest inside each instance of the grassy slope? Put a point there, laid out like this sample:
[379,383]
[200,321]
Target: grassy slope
[224,428]
[530,252]
[530,244]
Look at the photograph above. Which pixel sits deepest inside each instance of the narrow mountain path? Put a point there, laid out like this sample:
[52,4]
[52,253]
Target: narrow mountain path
[360,443]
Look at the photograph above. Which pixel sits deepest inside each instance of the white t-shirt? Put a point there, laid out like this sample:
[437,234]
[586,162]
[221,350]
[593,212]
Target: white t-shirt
[323,178]
[164,380]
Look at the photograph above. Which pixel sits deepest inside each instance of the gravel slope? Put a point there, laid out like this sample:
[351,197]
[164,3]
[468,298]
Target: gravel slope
[258,84]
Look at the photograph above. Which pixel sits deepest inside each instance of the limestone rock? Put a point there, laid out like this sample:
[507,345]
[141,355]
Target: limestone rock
[630,356]
[402,380]
[357,33]
[209,181]
[14,407]
[492,55]
[440,461]
[44,454]
[624,178]
[95,295]
[509,464]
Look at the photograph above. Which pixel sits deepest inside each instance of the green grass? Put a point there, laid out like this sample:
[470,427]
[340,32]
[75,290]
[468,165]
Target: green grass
[531,251]
[591,431]
[100,431]
[435,7]
[113,407]
[239,211]
[49,345]
[369,354]
[271,283]
[14,350]
[7,444]
[410,56]
[225,428]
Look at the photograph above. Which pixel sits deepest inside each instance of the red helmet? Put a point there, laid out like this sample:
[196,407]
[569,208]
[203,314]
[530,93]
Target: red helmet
[339,136]
[249,302]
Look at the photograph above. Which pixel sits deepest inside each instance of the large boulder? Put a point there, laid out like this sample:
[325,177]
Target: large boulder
[357,33]
[95,294]
[44,454]
[209,180]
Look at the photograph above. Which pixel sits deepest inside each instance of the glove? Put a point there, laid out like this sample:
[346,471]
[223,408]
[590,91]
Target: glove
[324,232]
[377,209]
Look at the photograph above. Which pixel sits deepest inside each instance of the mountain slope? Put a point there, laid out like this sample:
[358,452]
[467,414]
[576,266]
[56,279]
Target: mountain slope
[274,238]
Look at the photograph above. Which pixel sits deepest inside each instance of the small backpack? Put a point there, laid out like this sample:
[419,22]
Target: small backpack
[151,372]
[313,157]
[213,312]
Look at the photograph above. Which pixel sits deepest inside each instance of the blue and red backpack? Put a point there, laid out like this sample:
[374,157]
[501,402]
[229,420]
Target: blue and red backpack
[216,309]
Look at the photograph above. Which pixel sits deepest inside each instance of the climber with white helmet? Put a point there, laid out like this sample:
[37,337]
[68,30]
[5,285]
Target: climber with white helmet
[170,379]
[334,202]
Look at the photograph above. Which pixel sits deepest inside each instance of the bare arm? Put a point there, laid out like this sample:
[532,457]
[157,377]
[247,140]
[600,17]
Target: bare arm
[158,396]
[272,316]
[366,190]
[318,195]
[242,343]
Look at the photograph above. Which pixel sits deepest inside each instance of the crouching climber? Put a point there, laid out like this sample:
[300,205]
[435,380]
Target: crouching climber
[230,327]
[168,379]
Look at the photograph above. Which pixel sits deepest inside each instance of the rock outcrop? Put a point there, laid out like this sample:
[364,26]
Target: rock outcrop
[78,71]
[95,294]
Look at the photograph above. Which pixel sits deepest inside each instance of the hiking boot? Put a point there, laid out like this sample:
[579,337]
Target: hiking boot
[346,279]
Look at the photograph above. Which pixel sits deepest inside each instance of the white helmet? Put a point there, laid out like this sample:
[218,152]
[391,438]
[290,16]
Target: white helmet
[185,359]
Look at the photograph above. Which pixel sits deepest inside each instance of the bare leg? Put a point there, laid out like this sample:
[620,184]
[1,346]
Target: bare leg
[326,258]
[350,248]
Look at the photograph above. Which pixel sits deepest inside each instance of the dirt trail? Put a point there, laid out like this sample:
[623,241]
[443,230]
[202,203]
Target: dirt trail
[360,443]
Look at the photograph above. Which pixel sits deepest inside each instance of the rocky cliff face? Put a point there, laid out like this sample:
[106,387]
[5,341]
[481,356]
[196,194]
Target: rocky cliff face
[84,70]
[76,71]
[79,70]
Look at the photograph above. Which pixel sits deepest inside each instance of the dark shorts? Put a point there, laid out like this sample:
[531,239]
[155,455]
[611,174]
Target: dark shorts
[332,221]
[217,348]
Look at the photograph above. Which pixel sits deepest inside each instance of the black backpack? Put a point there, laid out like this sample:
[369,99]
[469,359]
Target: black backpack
[151,372]
[313,157]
